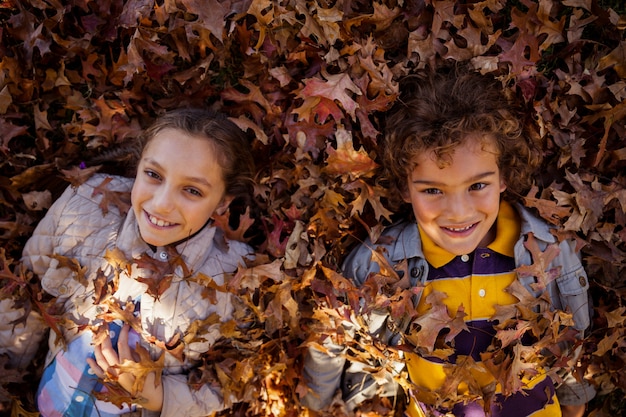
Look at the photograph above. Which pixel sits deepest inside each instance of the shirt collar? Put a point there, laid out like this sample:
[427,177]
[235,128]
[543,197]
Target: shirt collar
[507,234]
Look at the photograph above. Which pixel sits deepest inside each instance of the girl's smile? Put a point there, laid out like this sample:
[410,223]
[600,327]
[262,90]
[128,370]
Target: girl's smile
[178,186]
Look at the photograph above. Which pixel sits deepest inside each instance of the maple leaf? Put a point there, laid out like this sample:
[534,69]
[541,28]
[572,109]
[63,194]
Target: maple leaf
[345,160]
[120,200]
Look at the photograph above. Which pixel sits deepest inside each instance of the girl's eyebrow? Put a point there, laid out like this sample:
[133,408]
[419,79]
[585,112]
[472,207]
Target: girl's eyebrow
[197,180]
[473,179]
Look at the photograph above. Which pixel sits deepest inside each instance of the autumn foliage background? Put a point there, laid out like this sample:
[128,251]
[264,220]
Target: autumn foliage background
[308,80]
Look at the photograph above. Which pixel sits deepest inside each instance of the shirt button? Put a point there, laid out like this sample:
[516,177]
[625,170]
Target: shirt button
[482,292]
[163,256]
[465,258]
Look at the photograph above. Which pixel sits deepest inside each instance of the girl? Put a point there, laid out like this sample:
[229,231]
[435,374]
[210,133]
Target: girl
[155,260]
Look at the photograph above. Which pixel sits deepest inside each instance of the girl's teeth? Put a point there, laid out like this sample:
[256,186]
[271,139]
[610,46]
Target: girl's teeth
[159,222]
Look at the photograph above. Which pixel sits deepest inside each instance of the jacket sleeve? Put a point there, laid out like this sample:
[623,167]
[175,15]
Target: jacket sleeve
[181,400]
[573,286]
[37,252]
[324,370]
[19,341]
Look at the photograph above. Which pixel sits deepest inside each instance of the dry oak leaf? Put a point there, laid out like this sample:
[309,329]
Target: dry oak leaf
[435,320]
[125,313]
[368,194]
[541,260]
[141,369]
[76,176]
[615,318]
[548,209]
[506,315]
[119,199]
[345,160]
[245,221]
[334,87]
[73,265]
[511,370]
[161,273]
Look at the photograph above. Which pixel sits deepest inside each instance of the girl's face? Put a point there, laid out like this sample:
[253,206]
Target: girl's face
[178,187]
[457,205]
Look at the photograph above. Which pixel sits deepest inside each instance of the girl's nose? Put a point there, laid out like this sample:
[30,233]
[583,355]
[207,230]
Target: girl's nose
[162,200]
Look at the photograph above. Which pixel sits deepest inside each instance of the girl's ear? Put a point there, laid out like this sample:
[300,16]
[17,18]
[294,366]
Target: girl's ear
[223,206]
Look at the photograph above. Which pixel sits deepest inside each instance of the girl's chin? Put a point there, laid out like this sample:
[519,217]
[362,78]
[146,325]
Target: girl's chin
[155,240]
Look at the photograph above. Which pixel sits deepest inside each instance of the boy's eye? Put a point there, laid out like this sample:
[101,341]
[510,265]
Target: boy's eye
[478,186]
[432,191]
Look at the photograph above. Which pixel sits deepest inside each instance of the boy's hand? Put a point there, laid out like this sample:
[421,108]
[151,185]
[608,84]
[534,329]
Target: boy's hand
[107,357]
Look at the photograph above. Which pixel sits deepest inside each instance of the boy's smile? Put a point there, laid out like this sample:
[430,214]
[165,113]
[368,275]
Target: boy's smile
[457,204]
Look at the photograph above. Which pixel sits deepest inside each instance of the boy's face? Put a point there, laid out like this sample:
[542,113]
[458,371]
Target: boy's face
[178,187]
[456,205]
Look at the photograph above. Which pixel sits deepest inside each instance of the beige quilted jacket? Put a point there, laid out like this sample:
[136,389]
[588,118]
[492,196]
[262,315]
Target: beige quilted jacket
[75,227]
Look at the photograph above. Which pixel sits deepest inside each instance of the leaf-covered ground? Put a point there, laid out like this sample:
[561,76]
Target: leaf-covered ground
[308,80]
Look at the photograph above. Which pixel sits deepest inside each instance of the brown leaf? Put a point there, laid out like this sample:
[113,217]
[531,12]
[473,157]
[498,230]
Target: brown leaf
[541,261]
[118,199]
[435,320]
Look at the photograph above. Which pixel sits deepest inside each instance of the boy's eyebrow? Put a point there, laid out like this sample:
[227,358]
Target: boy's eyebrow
[200,180]
[472,179]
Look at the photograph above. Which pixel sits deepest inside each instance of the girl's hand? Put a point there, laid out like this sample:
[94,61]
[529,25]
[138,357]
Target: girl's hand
[107,357]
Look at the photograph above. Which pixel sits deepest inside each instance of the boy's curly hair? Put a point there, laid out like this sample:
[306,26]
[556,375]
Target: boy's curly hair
[438,110]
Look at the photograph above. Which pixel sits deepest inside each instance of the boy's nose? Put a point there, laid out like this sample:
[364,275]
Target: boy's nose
[458,206]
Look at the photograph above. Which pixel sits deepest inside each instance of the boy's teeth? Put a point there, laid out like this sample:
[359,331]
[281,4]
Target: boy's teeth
[462,229]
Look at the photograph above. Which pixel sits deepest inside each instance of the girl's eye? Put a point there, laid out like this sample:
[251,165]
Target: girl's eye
[194,191]
[477,186]
[152,174]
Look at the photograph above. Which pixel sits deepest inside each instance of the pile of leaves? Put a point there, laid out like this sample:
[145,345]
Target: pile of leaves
[309,81]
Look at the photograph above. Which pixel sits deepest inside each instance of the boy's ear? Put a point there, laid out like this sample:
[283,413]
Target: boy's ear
[406,197]
[223,206]
[502,185]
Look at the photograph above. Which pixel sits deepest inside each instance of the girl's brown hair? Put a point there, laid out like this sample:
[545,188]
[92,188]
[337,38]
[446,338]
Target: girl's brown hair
[231,145]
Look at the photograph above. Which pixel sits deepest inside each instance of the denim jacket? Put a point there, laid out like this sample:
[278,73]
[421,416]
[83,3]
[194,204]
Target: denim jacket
[325,371]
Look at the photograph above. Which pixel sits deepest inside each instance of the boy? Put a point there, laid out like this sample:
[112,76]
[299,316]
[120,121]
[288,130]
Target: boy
[458,153]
